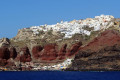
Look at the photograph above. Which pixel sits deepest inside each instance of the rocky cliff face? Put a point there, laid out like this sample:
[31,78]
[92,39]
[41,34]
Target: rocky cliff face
[107,38]
[51,52]
[103,53]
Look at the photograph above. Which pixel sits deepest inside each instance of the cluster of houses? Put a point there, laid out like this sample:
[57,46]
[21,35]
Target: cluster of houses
[77,26]
[42,66]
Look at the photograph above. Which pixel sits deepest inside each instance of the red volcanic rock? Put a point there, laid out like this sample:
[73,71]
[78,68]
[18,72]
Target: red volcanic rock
[74,49]
[107,38]
[49,52]
[35,51]
[25,55]
[62,52]
[13,53]
[4,53]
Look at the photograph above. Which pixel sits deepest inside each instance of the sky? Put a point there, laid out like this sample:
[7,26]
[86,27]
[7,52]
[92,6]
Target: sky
[18,14]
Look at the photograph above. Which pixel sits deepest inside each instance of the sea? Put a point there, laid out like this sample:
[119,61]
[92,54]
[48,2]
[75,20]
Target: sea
[58,75]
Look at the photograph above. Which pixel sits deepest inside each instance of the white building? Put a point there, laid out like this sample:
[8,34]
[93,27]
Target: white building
[70,28]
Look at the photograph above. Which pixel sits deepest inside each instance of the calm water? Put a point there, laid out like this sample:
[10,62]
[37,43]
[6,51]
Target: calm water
[58,75]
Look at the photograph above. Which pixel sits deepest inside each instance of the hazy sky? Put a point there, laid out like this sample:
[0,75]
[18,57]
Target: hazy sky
[17,14]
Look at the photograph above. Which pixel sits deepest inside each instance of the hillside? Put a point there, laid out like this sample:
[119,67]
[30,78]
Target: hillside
[102,53]
[67,44]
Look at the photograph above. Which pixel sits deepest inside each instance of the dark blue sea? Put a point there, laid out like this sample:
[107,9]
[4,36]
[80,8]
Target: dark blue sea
[59,75]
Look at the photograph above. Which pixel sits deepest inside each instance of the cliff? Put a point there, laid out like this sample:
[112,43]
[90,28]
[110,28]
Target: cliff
[102,53]
[91,44]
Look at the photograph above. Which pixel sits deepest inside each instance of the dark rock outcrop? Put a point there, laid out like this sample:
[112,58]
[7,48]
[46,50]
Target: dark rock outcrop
[13,53]
[3,62]
[4,53]
[4,56]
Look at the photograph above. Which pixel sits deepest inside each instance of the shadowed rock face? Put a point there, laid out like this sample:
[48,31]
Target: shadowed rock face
[25,55]
[4,56]
[13,53]
[7,54]
[103,53]
[104,59]
[4,53]
[3,62]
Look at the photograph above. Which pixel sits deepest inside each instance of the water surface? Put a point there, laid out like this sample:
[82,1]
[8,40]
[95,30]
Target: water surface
[59,75]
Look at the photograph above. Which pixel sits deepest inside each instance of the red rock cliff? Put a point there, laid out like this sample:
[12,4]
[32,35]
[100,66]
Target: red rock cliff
[107,38]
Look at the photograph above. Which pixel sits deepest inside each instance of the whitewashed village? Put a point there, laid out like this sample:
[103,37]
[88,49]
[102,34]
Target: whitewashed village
[40,66]
[101,22]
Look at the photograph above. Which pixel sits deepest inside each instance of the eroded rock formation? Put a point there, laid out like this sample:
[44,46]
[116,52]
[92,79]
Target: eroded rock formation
[51,52]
